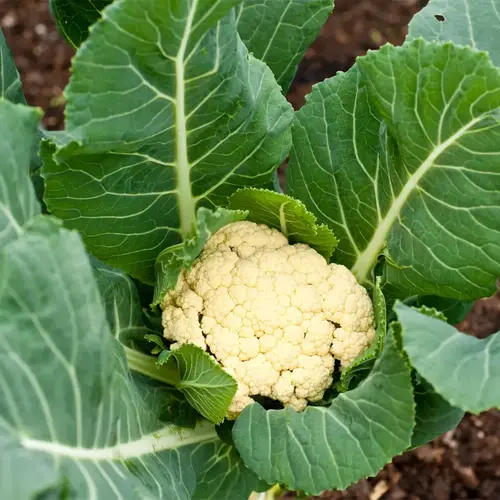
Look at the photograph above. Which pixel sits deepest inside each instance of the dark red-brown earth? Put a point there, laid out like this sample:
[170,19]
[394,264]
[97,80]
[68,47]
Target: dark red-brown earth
[464,463]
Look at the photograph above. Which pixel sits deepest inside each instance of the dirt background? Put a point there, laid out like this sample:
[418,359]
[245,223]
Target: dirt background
[465,463]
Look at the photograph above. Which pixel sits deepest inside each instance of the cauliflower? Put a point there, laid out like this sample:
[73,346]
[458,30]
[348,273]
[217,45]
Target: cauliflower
[274,315]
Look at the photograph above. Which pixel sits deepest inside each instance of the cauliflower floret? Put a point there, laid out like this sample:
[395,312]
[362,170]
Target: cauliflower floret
[274,315]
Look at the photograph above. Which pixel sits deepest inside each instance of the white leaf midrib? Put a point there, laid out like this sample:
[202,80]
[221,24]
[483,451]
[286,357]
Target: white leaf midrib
[9,216]
[168,438]
[187,203]
[366,259]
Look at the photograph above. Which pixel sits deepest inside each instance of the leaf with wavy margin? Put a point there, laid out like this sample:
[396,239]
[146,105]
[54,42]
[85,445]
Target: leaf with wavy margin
[70,414]
[330,448]
[286,214]
[423,191]
[167,112]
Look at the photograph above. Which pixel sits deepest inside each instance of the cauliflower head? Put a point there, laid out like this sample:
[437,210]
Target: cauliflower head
[275,316]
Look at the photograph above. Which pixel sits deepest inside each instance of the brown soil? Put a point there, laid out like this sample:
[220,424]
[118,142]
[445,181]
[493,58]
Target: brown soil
[464,463]
[355,27]
[43,59]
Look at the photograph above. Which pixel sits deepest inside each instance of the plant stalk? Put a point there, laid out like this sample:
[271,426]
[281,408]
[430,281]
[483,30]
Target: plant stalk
[146,365]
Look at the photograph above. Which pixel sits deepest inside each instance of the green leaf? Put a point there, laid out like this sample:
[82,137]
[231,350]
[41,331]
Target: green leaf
[11,90]
[279,32]
[454,310]
[423,191]
[73,17]
[10,83]
[431,312]
[288,215]
[181,413]
[475,23]
[71,417]
[334,158]
[362,365]
[330,448]
[127,320]
[225,476]
[156,339]
[461,368]
[206,385]
[163,357]
[174,259]
[129,324]
[18,204]
[55,410]
[446,138]
[434,416]
[168,113]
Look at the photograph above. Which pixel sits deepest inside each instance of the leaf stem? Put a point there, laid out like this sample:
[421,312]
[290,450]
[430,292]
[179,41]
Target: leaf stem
[146,365]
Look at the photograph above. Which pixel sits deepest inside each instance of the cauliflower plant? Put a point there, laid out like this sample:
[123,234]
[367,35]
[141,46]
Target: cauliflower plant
[274,315]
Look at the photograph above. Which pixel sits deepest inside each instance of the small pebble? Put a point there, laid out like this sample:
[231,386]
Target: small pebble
[9,20]
[41,29]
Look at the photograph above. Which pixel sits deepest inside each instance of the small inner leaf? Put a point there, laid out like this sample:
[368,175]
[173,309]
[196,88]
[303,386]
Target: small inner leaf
[288,215]
[204,383]
[155,339]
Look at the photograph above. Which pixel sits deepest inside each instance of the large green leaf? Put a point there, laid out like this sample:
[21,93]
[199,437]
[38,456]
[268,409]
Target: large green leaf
[324,448]
[10,83]
[18,204]
[71,417]
[288,215]
[461,368]
[64,378]
[466,22]
[279,32]
[424,190]
[168,113]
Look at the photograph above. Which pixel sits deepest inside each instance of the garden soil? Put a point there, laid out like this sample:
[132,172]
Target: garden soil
[463,464]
